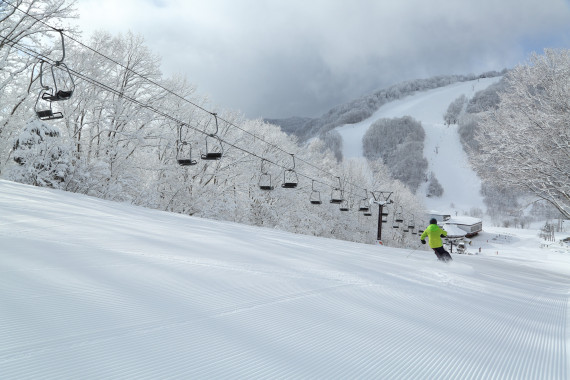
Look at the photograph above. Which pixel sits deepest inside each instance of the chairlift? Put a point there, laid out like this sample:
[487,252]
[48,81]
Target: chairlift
[395,223]
[67,83]
[265,179]
[63,85]
[46,113]
[183,150]
[364,205]
[411,222]
[421,230]
[184,154]
[399,216]
[337,194]
[290,178]
[344,206]
[265,182]
[215,151]
[315,197]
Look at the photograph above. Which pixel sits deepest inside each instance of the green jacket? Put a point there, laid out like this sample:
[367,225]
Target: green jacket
[433,233]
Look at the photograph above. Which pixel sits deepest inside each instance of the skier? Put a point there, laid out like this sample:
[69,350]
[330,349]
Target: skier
[434,234]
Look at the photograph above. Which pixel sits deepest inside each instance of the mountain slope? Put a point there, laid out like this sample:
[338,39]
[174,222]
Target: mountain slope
[442,148]
[96,289]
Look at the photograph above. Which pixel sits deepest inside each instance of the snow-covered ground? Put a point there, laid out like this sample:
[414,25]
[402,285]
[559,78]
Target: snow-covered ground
[442,148]
[91,289]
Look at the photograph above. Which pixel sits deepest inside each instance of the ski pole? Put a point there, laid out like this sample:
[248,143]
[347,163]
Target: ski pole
[413,250]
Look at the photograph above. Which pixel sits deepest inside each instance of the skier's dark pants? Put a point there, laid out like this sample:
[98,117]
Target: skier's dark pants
[442,254]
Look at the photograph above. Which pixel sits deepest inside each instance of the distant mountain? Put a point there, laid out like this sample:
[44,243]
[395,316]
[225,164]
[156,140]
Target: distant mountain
[438,142]
[292,125]
[363,107]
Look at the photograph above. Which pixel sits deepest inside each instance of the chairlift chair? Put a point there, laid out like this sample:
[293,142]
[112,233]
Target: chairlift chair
[290,179]
[215,151]
[315,197]
[44,113]
[411,222]
[63,85]
[265,181]
[265,178]
[59,94]
[421,230]
[336,194]
[344,206]
[395,223]
[399,216]
[184,154]
[364,205]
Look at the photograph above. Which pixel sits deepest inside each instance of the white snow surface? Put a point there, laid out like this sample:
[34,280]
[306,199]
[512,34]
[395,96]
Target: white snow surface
[442,148]
[91,289]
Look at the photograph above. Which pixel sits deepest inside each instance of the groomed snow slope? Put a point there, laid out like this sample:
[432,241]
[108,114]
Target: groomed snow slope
[91,289]
[442,148]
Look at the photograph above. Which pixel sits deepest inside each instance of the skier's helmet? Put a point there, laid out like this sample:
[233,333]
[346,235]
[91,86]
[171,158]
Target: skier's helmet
[433,221]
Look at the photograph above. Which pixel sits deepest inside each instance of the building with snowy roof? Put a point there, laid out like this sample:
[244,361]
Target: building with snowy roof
[463,226]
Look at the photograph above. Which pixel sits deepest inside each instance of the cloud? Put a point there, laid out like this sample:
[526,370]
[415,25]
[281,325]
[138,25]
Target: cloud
[282,58]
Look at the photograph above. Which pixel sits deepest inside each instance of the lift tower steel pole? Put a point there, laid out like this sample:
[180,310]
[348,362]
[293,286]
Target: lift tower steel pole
[382,199]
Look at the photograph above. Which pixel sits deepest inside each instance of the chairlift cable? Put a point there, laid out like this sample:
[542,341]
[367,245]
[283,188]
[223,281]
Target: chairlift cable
[157,111]
[97,83]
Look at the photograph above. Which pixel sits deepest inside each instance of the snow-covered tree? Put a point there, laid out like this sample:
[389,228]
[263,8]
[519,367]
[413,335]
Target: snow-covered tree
[20,29]
[525,142]
[42,157]
[399,142]
[455,108]
[434,187]
[333,141]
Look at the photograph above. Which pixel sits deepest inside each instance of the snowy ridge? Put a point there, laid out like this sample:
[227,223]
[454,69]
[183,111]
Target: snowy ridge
[442,148]
[95,289]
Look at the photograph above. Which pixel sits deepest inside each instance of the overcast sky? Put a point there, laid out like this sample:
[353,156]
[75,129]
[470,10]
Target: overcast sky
[281,58]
